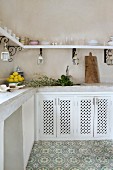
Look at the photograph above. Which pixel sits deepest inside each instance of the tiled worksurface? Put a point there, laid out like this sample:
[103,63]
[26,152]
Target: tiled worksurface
[71,155]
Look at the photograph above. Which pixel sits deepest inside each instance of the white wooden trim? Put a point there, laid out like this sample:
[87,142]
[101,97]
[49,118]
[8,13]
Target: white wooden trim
[1,145]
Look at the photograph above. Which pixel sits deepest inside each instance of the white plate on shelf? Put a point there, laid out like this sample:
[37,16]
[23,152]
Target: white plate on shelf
[44,43]
[93,42]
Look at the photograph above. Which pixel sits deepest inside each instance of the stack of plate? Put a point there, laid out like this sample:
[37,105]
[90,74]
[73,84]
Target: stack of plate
[93,42]
[44,43]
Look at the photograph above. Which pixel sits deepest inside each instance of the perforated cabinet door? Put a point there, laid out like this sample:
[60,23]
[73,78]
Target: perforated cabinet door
[85,116]
[48,117]
[64,117]
[102,116]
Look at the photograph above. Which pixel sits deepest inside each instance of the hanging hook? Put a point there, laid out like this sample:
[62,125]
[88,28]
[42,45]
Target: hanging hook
[73,52]
[41,51]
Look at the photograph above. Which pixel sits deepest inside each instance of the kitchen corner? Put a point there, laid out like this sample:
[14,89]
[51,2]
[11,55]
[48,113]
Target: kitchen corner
[56,85]
[21,106]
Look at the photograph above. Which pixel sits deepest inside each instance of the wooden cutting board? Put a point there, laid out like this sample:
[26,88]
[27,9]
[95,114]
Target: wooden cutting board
[91,69]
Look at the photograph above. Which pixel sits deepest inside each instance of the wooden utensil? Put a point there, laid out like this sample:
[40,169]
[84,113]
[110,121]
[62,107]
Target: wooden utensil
[91,69]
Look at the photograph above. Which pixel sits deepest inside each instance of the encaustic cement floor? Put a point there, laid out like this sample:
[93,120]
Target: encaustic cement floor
[71,155]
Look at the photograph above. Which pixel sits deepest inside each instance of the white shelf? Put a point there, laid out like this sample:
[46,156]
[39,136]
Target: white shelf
[67,46]
[6,34]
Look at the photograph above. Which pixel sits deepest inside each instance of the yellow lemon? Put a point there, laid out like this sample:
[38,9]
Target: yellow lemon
[16,80]
[16,77]
[15,74]
[19,76]
[11,76]
[11,80]
[23,78]
[20,79]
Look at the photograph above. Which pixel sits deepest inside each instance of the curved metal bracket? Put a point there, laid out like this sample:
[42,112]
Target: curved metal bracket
[13,49]
[4,39]
[108,56]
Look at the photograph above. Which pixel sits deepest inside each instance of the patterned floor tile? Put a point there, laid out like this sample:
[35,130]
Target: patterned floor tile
[71,155]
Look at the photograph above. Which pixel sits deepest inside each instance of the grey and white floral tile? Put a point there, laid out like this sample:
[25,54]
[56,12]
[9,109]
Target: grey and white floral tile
[71,155]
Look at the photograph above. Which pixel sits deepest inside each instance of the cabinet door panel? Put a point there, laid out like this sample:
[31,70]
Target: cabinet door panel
[64,117]
[85,116]
[102,112]
[48,117]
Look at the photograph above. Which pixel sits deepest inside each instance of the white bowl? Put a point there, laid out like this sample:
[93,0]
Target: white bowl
[110,43]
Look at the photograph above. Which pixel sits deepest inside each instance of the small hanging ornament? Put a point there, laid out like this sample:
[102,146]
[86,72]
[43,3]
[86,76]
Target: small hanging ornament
[40,58]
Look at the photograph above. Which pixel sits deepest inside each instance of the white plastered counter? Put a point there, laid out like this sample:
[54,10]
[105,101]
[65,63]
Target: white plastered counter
[80,89]
[11,101]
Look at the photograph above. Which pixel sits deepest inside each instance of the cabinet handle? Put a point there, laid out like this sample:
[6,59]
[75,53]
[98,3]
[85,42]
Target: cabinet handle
[55,102]
[93,101]
[58,101]
[96,101]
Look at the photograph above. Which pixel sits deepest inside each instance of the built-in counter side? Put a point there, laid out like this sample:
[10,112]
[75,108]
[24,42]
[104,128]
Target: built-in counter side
[16,128]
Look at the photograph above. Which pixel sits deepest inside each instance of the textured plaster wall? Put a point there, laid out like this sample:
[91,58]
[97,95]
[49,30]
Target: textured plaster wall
[56,20]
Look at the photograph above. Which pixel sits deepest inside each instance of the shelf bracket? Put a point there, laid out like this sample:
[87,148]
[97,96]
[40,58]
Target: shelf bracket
[73,52]
[4,39]
[105,55]
[108,56]
[13,49]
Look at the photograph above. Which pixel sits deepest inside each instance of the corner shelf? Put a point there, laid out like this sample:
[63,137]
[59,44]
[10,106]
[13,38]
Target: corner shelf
[6,34]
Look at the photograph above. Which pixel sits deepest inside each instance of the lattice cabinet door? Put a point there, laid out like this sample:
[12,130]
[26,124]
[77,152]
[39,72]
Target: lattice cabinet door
[85,116]
[48,117]
[102,116]
[64,117]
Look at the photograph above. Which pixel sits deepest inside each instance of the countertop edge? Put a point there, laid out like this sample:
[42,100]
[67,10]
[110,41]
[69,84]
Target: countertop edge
[12,104]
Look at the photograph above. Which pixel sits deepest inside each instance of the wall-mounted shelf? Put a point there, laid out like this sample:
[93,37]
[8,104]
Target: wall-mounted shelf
[68,46]
[6,34]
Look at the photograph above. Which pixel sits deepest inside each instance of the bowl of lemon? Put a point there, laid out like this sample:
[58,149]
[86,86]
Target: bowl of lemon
[15,78]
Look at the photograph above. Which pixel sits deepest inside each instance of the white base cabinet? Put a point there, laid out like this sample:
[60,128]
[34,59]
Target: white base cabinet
[73,117]
[55,117]
[94,117]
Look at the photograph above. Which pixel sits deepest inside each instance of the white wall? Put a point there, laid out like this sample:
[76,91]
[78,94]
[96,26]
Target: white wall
[54,20]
